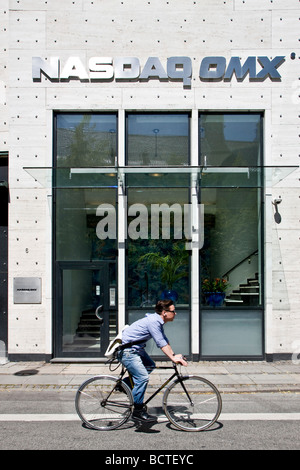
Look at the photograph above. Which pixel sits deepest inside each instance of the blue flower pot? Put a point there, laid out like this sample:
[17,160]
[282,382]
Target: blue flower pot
[169,294]
[215,299]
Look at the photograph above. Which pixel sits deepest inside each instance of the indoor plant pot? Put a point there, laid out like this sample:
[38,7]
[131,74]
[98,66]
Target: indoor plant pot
[214,291]
[215,299]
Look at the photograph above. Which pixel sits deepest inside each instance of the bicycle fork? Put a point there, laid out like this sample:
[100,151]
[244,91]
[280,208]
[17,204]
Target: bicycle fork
[186,392]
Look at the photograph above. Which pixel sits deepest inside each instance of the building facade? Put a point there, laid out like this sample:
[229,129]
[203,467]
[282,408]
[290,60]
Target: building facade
[149,150]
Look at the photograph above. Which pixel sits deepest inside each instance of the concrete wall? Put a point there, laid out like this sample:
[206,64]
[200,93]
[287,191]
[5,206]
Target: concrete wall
[114,28]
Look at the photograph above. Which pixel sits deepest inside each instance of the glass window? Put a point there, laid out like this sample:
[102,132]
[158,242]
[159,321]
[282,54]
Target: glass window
[158,139]
[85,212]
[231,258]
[232,139]
[232,333]
[86,196]
[158,262]
[232,242]
[86,140]
[157,257]
[86,221]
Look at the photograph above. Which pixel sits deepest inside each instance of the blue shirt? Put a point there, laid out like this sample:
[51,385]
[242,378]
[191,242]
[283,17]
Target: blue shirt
[151,326]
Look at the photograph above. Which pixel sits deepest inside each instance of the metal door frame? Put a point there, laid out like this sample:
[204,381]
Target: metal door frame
[4,198]
[60,267]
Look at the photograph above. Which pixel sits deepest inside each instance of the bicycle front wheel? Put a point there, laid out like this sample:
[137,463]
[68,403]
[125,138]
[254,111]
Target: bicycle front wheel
[104,402]
[192,403]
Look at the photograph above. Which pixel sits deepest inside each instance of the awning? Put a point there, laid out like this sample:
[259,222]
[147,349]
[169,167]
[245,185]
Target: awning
[161,177]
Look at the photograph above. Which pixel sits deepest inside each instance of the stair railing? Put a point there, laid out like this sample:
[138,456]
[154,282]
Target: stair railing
[226,275]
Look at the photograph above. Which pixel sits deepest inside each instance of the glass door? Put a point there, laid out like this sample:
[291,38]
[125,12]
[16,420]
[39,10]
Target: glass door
[82,289]
[3,252]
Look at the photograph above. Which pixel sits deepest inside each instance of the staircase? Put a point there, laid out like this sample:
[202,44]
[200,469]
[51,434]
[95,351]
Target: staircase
[89,325]
[246,295]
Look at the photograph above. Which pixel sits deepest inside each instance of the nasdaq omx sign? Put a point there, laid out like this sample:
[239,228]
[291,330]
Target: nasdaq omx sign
[176,68]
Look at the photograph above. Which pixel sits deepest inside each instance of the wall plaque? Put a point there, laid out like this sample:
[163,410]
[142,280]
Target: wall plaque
[27,290]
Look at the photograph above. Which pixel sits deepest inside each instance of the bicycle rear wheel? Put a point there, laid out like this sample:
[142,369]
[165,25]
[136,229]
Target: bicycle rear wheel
[192,403]
[104,402]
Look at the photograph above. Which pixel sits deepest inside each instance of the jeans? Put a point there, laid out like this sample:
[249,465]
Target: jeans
[140,365]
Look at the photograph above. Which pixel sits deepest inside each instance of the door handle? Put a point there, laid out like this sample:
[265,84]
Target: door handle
[97,313]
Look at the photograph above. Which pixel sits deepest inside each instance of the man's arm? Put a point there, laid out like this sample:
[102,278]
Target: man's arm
[177,358]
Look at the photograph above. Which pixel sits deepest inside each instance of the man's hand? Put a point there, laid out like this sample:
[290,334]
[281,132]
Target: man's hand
[179,359]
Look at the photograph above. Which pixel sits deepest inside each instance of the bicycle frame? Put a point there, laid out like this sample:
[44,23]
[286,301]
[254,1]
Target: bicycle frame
[175,374]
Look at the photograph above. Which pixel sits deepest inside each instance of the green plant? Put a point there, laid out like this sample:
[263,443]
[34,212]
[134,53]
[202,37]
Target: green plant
[172,266]
[214,285]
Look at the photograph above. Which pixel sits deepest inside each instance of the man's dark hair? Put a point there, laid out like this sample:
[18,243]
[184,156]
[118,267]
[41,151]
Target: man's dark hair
[163,305]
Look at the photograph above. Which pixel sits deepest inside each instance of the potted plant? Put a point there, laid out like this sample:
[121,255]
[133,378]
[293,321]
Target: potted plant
[172,267]
[214,291]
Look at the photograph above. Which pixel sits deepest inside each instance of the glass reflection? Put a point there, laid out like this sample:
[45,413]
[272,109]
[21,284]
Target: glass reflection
[85,140]
[158,139]
[76,224]
[230,140]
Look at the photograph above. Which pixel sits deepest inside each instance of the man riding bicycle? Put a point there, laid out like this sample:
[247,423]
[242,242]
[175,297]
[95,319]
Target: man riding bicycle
[135,358]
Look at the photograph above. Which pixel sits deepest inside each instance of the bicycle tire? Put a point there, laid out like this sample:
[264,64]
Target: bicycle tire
[204,410]
[104,402]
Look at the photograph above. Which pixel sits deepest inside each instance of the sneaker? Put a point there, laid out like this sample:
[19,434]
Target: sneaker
[142,415]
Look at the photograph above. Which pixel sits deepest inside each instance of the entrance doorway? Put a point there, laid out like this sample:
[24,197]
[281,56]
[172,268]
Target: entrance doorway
[3,252]
[81,289]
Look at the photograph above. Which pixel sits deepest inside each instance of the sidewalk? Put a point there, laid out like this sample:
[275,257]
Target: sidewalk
[228,376]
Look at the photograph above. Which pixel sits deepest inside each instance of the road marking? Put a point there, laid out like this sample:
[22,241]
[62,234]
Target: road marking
[259,416]
[39,417]
[224,417]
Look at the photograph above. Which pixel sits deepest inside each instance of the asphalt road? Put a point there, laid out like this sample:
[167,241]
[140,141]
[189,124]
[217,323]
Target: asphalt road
[46,420]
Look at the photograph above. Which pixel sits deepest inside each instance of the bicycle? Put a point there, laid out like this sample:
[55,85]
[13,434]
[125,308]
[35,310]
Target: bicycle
[190,403]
